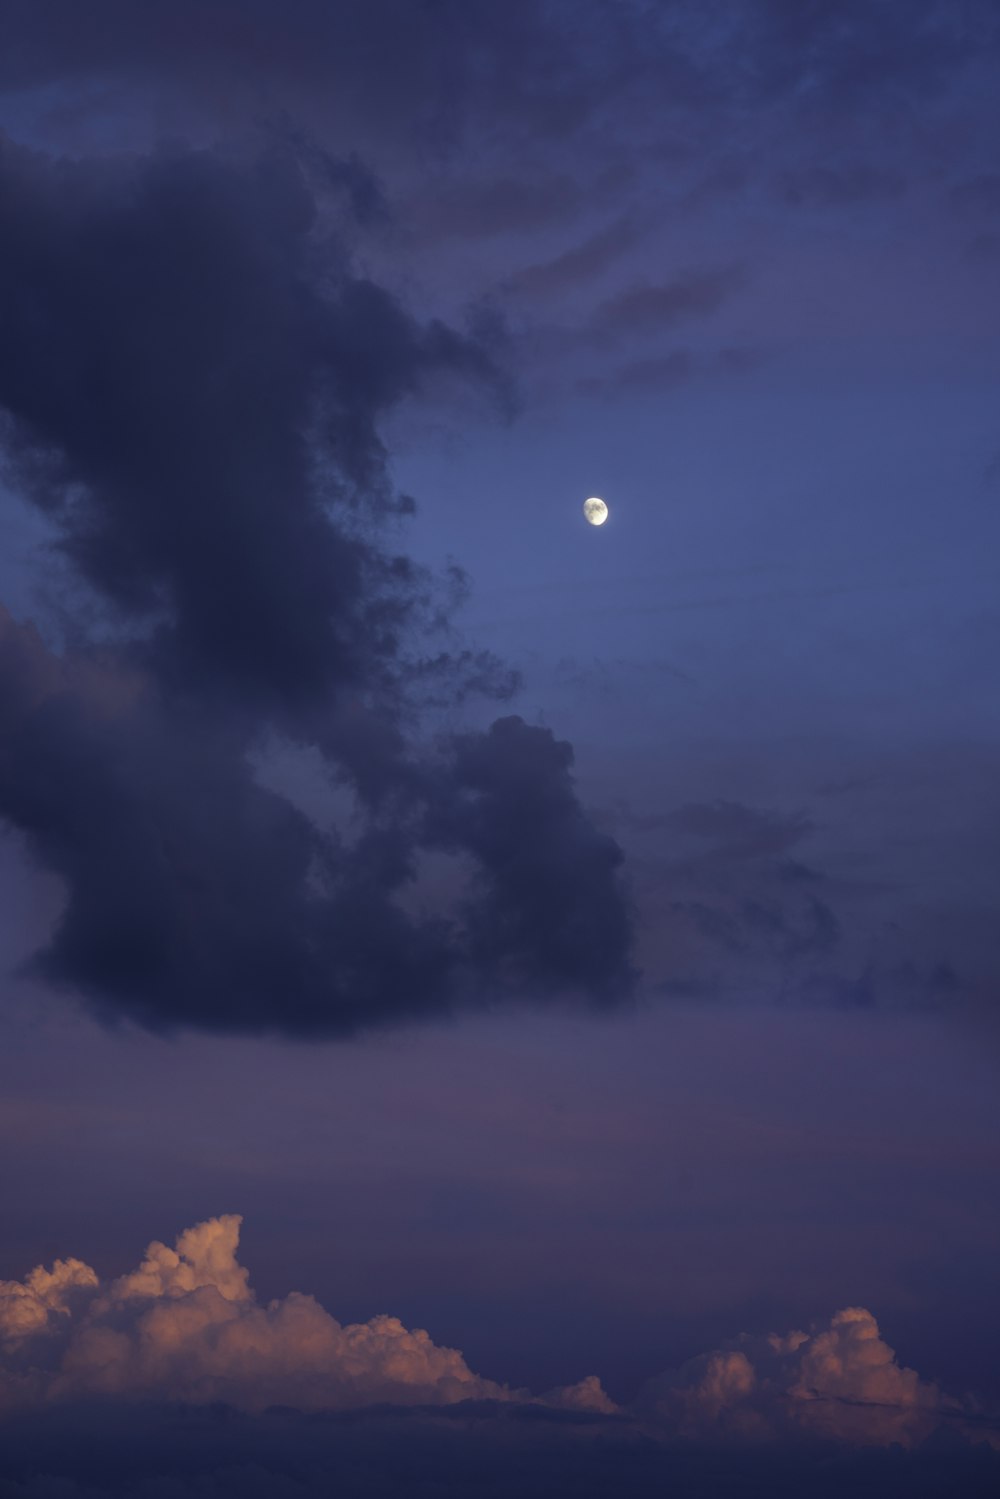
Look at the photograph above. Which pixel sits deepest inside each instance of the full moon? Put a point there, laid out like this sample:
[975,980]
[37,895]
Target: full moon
[596,511]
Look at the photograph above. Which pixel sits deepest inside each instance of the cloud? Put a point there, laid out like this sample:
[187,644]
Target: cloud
[651,307]
[547,894]
[734,831]
[841,1383]
[738,914]
[38,1303]
[186,1326]
[194,375]
[583,262]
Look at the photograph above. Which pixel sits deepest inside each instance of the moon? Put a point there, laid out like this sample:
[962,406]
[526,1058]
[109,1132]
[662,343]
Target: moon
[595,511]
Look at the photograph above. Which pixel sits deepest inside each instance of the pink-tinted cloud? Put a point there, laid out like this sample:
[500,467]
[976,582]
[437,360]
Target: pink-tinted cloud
[32,1306]
[840,1382]
[187,1326]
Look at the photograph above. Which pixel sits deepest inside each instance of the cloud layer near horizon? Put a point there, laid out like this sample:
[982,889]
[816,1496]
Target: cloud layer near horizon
[186,1326]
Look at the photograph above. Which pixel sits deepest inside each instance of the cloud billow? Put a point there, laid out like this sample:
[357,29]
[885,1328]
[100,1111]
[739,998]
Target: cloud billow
[192,378]
[186,1326]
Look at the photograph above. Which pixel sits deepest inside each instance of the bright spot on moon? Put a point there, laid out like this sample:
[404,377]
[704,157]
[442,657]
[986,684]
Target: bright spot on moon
[595,510]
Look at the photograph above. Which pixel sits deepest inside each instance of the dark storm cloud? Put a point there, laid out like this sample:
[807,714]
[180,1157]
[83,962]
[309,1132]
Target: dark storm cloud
[549,874]
[193,377]
[162,336]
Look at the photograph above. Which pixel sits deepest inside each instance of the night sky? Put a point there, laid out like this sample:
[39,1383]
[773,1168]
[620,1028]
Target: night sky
[420,909]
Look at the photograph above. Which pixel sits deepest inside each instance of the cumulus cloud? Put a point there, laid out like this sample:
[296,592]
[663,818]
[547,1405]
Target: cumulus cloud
[35,1304]
[841,1382]
[192,380]
[186,1326]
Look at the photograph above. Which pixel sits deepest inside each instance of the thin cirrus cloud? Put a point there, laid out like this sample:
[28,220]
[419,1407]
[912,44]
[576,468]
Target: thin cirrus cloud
[186,1326]
[653,306]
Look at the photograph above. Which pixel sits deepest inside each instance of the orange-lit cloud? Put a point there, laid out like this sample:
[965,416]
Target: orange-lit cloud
[187,1326]
[841,1382]
[32,1306]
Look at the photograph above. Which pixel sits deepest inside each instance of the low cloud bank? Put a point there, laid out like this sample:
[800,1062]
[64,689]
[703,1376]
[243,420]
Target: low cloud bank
[840,1382]
[186,1327]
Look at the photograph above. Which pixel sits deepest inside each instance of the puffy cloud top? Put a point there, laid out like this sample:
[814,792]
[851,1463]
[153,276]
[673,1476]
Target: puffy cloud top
[841,1382]
[32,1306]
[186,1326]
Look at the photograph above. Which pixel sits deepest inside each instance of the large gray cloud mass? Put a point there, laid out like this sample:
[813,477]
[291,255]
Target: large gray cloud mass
[192,376]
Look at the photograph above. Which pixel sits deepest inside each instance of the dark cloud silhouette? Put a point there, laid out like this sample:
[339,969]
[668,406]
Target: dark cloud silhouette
[193,377]
[548,875]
